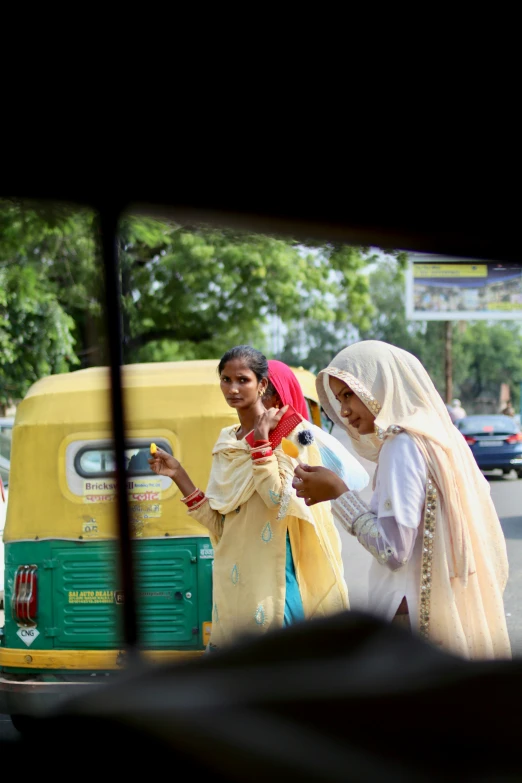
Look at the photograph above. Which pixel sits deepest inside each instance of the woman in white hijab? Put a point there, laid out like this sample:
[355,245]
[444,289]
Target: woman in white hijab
[440,555]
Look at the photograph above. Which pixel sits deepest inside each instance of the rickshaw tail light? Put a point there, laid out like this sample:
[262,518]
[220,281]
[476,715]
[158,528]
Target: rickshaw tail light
[24,604]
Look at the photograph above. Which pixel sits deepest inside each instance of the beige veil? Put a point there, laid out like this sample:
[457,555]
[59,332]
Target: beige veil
[464,568]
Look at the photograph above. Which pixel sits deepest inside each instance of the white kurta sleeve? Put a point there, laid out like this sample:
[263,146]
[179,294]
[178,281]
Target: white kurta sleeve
[389,530]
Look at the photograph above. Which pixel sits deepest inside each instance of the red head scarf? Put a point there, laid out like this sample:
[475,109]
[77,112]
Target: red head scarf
[287,386]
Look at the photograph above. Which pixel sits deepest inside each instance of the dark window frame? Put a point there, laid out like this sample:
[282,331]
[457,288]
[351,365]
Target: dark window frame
[161,442]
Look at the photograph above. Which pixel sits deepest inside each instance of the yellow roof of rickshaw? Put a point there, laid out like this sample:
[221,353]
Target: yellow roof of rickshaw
[154,374]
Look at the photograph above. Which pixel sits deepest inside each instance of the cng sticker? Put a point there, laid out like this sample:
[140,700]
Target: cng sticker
[28,635]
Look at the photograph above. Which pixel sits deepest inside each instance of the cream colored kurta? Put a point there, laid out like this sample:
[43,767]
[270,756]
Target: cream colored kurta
[250,546]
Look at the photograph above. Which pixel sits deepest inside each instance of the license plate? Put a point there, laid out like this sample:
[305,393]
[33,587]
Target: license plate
[490,442]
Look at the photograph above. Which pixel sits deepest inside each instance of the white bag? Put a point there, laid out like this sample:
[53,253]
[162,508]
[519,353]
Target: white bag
[335,457]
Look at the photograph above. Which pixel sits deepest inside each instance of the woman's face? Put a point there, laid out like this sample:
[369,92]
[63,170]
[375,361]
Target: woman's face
[239,385]
[353,408]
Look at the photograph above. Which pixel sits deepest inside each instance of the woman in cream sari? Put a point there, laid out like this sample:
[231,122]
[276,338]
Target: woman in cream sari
[276,560]
[440,554]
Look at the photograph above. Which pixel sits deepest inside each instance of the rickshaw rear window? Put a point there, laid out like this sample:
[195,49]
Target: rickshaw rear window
[98,462]
[5,446]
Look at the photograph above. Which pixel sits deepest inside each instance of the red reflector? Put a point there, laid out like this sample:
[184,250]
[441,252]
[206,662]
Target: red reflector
[24,603]
[514,438]
[469,439]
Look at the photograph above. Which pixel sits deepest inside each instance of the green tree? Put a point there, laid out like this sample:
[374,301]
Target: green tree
[495,357]
[424,339]
[485,354]
[311,343]
[191,292]
[58,244]
[187,292]
[35,333]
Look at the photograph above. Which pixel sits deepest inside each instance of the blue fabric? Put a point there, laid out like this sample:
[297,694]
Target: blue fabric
[294,611]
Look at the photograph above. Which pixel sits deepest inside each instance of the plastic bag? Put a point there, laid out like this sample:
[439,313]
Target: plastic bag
[335,457]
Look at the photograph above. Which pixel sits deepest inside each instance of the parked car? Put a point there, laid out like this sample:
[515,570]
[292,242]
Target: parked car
[495,440]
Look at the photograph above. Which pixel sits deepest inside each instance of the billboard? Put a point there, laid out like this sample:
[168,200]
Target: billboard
[451,289]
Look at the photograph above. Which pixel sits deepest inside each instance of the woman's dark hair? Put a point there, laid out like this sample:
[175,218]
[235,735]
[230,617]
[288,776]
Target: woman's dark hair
[271,391]
[253,358]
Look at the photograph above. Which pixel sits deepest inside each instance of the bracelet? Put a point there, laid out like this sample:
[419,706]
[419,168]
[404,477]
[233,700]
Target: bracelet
[194,498]
[350,508]
[261,451]
[191,496]
[199,502]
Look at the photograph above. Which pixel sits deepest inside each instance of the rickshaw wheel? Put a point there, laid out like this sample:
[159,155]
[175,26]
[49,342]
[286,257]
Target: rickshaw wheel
[22,723]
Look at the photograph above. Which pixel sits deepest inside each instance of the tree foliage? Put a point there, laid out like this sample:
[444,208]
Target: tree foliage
[484,354]
[495,357]
[195,291]
[187,291]
[37,331]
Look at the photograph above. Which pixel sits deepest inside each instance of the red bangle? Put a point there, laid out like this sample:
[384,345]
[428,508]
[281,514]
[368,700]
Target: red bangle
[199,502]
[262,452]
[192,495]
[194,498]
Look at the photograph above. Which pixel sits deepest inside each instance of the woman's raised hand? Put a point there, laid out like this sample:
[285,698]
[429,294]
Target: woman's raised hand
[164,464]
[268,421]
[316,484]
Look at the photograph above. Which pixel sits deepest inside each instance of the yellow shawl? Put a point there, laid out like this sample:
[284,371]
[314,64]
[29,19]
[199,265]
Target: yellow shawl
[315,541]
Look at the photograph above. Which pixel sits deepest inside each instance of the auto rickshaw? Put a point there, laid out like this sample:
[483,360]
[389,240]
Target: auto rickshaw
[63,625]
